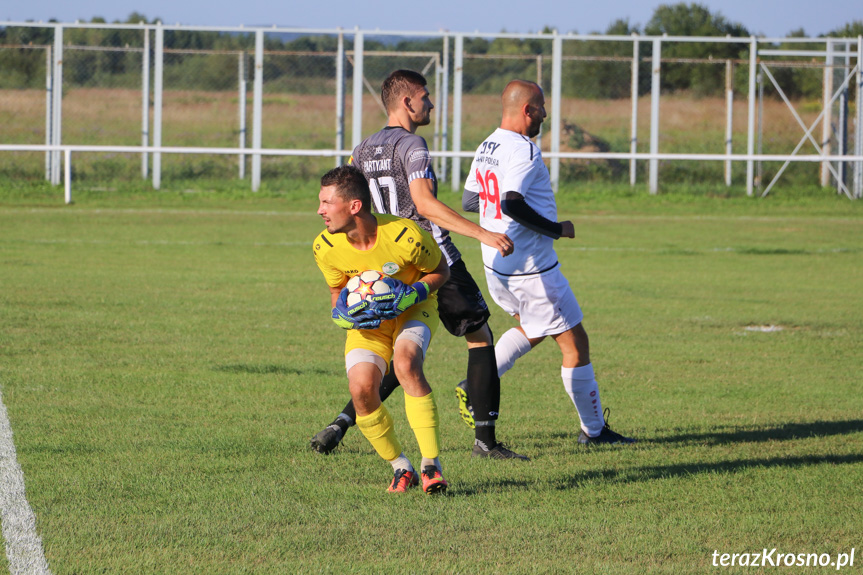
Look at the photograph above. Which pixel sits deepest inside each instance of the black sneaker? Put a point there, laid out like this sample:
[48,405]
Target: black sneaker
[497,452]
[465,409]
[606,436]
[327,439]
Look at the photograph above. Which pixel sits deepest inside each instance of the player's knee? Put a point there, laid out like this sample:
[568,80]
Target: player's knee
[408,367]
[362,389]
[480,338]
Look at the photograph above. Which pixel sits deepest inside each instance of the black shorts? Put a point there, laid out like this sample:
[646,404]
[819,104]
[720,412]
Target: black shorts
[460,304]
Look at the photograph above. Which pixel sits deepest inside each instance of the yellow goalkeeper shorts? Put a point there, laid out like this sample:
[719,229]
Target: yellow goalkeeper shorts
[381,340]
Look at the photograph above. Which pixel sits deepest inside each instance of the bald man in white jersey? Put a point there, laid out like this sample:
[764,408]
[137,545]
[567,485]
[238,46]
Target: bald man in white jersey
[509,186]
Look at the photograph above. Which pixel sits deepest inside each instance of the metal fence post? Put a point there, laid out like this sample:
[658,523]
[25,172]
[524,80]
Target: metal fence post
[759,172]
[49,105]
[340,98]
[556,107]
[57,105]
[827,120]
[858,134]
[67,175]
[444,107]
[437,116]
[729,116]
[458,77]
[145,103]
[158,72]
[633,130]
[241,105]
[654,115]
[842,136]
[538,138]
[258,109]
[750,132]
[357,126]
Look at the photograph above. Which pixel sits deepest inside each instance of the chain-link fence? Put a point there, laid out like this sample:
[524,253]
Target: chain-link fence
[263,90]
[25,102]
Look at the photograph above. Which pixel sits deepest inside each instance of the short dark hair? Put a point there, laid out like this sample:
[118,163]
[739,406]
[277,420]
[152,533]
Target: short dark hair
[350,183]
[397,84]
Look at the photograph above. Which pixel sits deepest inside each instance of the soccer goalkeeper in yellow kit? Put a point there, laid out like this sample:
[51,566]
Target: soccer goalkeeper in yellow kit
[398,327]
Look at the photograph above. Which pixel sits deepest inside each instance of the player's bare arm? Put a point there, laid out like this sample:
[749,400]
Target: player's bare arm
[334,295]
[444,216]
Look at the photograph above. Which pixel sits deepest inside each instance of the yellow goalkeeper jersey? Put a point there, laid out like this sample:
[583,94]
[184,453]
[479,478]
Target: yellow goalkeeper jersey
[403,250]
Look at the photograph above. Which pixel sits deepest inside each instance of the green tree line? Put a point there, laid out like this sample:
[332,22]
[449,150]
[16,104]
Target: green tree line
[592,68]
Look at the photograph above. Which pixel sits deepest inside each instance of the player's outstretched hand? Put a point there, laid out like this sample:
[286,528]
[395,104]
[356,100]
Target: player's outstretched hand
[400,297]
[500,242]
[357,316]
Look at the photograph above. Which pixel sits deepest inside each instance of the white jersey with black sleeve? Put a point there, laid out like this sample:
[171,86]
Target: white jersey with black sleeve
[510,162]
[391,159]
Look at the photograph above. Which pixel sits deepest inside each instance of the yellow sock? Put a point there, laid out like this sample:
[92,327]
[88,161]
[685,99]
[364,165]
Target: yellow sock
[378,429]
[422,416]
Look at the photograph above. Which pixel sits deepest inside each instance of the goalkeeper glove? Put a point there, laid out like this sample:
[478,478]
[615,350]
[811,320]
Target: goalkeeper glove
[401,297]
[357,316]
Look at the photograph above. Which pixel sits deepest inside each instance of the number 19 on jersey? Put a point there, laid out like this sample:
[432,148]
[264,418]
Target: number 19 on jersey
[489,193]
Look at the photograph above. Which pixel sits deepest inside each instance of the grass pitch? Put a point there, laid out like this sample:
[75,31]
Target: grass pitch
[165,357]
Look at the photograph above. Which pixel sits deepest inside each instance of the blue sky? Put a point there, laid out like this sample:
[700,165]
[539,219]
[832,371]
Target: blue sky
[772,18]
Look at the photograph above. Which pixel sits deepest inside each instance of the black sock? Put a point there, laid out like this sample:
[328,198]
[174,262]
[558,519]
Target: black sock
[389,383]
[485,436]
[483,386]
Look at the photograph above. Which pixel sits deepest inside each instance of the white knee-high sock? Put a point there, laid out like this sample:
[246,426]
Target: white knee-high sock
[511,346]
[580,384]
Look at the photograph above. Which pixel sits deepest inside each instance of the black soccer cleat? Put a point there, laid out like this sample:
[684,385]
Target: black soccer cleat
[606,436]
[465,409]
[327,439]
[497,452]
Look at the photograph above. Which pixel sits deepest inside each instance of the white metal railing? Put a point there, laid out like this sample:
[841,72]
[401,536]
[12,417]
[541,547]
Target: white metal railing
[54,146]
[66,151]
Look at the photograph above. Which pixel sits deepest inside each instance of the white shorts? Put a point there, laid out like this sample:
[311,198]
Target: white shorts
[544,302]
